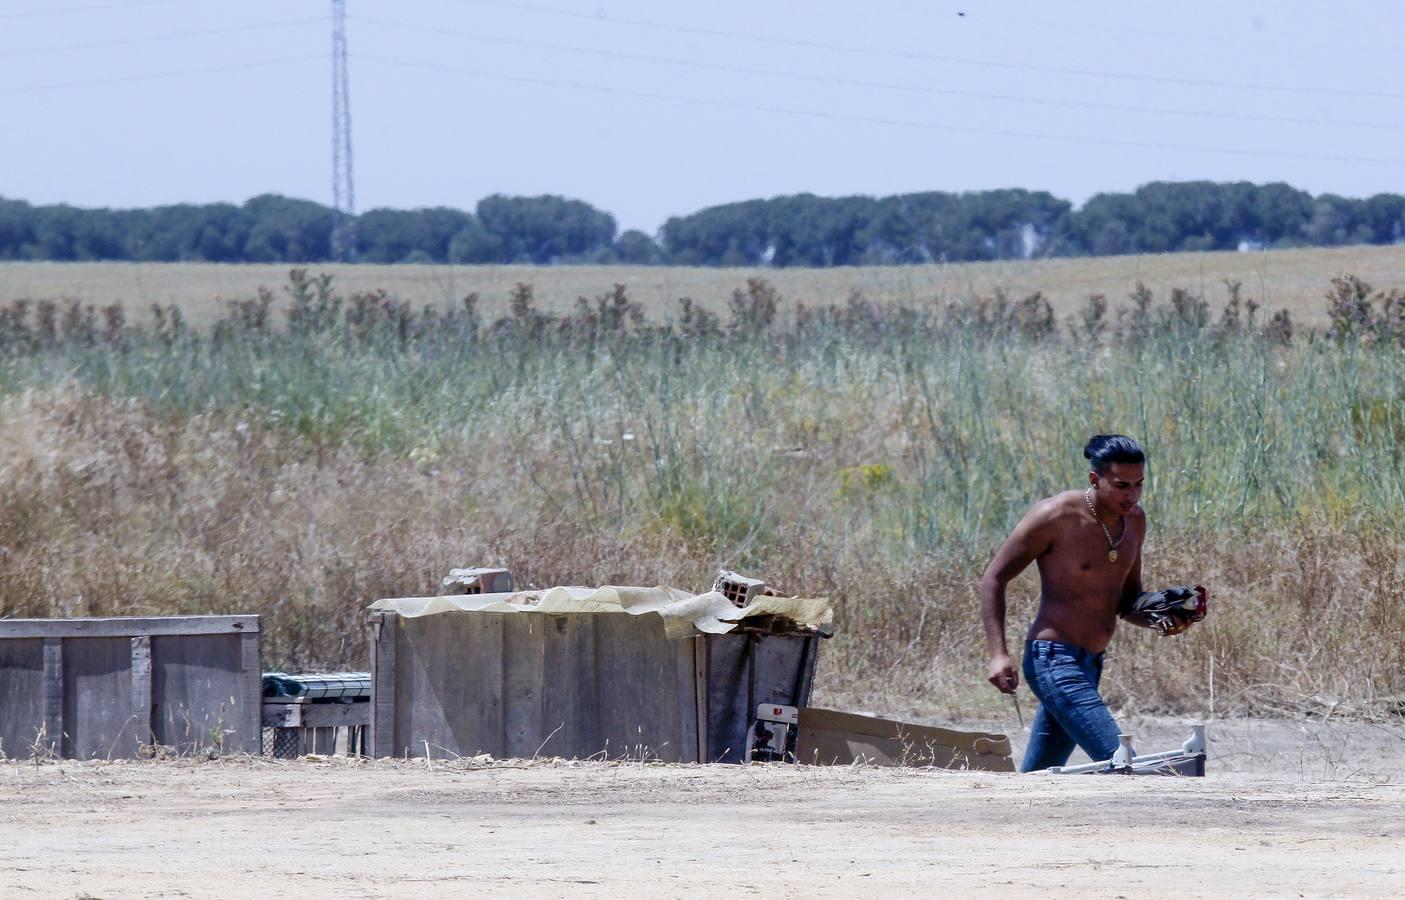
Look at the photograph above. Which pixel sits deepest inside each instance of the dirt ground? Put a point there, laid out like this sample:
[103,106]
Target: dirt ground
[1288,809]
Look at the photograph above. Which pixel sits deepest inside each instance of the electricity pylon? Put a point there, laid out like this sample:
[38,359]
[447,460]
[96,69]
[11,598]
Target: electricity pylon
[343,188]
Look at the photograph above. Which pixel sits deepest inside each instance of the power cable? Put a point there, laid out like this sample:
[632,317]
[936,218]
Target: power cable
[877,120]
[934,57]
[64,10]
[154,76]
[171,36]
[880,85]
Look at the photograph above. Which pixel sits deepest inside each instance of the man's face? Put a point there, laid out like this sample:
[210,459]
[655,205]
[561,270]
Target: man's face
[1120,487]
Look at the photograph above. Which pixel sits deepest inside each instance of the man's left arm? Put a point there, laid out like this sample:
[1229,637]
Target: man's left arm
[1132,589]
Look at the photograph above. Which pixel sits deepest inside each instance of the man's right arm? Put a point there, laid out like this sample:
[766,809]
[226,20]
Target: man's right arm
[1030,540]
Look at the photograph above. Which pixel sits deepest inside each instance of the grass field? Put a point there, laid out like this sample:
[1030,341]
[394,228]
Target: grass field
[1284,279]
[301,466]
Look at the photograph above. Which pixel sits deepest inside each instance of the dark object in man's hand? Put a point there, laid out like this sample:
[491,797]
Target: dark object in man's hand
[1171,607]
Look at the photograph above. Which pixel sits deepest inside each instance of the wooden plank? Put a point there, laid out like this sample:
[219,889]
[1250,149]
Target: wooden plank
[199,691]
[449,689]
[569,698]
[637,691]
[834,738]
[382,640]
[249,701]
[780,662]
[810,658]
[614,735]
[21,695]
[448,686]
[524,673]
[53,697]
[98,720]
[726,696]
[277,714]
[127,626]
[323,740]
[685,699]
[700,703]
[141,691]
[281,715]
[565,680]
[335,715]
[383,628]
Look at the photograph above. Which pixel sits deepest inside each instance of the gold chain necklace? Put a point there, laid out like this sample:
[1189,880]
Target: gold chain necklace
[1111,547]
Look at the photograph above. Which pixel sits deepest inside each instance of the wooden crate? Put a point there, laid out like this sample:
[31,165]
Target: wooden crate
[111,688]
[297,726]
[574,685]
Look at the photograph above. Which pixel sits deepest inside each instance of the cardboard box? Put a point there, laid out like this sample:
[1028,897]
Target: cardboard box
[830,738]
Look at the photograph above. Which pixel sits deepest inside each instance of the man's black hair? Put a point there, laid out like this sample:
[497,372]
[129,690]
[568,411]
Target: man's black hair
[1105,449]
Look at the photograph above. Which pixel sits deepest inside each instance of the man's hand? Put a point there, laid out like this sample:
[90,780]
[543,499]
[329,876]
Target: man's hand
[1178,626]
[1002,674]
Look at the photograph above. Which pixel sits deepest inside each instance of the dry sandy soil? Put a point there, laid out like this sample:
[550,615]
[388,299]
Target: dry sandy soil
[1295,280]
[1289,809]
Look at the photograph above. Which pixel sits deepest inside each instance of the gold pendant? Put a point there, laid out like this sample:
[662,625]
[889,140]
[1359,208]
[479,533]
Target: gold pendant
[1112,556]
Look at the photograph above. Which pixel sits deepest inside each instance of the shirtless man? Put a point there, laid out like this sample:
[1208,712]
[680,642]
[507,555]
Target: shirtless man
[1088,546]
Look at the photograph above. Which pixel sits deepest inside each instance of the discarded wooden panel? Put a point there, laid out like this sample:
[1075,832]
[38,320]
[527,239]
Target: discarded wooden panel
[107,688]
[835,738]
[573,685]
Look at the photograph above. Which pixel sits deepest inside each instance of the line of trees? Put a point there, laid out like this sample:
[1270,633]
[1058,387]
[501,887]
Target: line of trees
[799,230]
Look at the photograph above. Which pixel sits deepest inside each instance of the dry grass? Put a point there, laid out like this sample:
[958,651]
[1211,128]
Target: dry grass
[1292,280]
[116,511]
[303,468]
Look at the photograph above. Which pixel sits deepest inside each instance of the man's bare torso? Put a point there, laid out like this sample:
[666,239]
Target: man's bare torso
[1079,588]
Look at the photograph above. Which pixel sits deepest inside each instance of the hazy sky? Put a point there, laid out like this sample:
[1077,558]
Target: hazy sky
[650,109]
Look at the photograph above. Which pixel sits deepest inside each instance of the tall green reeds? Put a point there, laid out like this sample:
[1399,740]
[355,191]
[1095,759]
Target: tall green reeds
[302,461]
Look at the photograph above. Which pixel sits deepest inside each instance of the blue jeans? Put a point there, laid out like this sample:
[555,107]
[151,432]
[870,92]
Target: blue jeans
[1065,679]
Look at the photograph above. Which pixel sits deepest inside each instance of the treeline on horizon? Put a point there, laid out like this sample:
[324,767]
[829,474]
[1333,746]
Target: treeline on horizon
[797,230]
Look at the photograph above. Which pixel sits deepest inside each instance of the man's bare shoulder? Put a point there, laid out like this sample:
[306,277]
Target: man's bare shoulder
[1055,508]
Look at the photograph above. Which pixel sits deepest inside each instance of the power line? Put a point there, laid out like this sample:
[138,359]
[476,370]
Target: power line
[934,57]
[155,38]
[879,120]
[882,85]
[64,10]
[155,76]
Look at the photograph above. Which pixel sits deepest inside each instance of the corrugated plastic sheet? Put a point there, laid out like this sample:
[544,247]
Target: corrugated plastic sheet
[684,614]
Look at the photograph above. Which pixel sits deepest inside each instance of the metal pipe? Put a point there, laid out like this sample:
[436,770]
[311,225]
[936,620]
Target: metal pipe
[1193,746]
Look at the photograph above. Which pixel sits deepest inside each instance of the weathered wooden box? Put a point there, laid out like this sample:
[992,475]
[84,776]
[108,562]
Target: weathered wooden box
[107,688]
[574,685]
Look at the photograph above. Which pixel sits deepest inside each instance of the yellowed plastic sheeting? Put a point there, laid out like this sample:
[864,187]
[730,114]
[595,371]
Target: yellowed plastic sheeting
[684,614]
